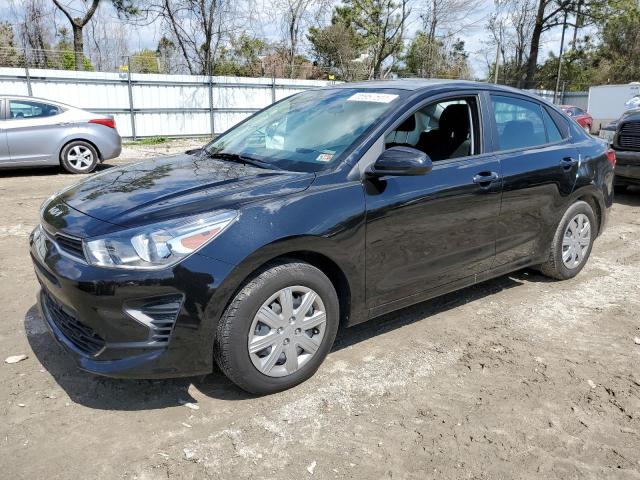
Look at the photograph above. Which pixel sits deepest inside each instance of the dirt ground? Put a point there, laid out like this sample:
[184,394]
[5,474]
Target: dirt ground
[519,377]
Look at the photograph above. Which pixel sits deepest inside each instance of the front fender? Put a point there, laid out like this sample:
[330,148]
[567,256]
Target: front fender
[326,220]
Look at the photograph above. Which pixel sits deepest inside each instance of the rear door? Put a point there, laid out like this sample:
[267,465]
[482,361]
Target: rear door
[539,169]
[4,146]
[34,130]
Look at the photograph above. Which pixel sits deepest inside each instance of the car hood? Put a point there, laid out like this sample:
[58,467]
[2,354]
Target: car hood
[176,186]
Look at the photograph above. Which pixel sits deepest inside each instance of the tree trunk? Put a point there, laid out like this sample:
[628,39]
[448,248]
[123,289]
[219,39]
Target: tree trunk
[532,62]
[78,47]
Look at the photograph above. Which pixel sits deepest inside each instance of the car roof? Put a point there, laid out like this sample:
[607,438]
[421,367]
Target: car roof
[424,85]
[35,99]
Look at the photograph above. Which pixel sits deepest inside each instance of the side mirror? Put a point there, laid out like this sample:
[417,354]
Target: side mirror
[401,161]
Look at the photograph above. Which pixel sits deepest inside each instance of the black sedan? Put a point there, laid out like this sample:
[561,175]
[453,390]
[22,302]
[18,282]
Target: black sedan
[328,208]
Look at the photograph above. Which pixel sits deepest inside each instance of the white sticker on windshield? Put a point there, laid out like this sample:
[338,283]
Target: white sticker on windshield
[325,156]
[372,97]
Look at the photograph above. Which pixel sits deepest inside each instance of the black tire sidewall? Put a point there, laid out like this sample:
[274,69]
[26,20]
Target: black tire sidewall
[240,368]
[572,211]
[65,151]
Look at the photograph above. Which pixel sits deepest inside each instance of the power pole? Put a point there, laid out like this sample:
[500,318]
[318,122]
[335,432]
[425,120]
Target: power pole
[497,64]
[564,28]
[577,25]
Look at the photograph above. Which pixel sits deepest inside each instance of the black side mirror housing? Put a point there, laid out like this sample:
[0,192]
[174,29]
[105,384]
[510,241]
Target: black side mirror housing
[401,161]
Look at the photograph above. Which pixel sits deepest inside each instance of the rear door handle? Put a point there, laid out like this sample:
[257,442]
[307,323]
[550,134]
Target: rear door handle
[485,177]
[568,162]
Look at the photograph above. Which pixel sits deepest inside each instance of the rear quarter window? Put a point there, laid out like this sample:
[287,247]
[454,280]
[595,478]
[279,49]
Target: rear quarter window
[560,121]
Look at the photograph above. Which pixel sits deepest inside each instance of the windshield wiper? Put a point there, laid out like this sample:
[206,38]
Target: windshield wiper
[243,158]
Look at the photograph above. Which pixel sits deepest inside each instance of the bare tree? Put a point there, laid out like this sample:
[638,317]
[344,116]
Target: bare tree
[452,16]
[107,41]
[549,14]
[77,24]
[295,17]
[511,27]
[33,26]
[196,27]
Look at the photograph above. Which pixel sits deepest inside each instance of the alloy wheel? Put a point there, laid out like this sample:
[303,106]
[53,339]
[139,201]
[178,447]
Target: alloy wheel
[80,157]
[287,331]
[576,241]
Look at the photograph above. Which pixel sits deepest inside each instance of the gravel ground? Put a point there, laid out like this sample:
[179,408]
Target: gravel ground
[519,377]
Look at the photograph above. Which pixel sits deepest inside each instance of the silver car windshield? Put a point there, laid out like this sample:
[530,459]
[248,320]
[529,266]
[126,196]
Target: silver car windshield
[307,132]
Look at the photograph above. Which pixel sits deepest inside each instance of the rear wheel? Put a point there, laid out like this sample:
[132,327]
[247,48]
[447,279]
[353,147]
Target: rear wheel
[79,157]
[572,242]
[278,329]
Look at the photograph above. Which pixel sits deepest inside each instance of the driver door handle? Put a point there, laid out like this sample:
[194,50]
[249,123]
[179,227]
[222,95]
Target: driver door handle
[485,177]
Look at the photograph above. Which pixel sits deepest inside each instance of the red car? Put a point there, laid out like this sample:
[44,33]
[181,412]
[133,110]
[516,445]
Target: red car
[583,118]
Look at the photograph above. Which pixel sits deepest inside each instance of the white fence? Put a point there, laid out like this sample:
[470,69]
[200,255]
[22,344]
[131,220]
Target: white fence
[146,105]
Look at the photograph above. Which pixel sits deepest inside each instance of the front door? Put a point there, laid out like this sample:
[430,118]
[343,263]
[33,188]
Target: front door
[33,130]
[430,230]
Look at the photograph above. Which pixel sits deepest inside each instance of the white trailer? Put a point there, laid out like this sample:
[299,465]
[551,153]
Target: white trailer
[606,102]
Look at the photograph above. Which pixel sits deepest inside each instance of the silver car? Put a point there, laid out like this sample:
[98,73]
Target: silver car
[38,132]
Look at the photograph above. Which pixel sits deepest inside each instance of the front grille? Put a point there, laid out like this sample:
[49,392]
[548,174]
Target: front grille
[70,245]
[159,314]
[629,137]
[82,336]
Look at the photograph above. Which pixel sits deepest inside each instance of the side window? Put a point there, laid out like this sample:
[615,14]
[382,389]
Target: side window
[553,134]
[25,109]
[520,123]
[443,130]
[560,121]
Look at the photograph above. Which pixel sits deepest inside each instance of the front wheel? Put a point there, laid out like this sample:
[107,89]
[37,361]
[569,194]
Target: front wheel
[278,329]
[572,242]
[79,157]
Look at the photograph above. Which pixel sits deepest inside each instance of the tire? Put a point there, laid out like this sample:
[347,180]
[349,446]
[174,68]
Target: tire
[258,371]
[556,267]
[79,157]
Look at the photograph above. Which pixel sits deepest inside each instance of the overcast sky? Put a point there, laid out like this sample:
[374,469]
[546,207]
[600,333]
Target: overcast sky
[474,34]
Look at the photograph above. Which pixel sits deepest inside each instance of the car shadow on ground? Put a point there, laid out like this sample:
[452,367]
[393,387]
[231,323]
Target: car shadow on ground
[630,197]
[48,171]
[130,395]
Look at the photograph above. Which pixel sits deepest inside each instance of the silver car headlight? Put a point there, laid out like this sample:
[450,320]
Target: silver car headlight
[159,245]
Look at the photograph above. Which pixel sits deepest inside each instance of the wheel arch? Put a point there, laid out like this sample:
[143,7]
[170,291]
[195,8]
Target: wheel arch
[348,281]
[596,204]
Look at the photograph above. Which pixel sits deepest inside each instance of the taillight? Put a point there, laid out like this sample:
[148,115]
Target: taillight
[107,122]
[611,156]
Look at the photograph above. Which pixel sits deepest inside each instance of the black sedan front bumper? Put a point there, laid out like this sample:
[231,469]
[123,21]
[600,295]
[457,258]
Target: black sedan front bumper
[130,324]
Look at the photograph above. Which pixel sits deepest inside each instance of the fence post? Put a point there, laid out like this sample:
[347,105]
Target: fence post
[211,113]
[26,71]
[273,86]
[129,87]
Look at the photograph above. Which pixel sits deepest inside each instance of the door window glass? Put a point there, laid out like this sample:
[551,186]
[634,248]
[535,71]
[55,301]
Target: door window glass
[520,123]
[25,109]
[443,130]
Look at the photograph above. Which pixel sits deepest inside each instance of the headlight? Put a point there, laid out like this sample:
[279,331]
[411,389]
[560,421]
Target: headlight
[159,245]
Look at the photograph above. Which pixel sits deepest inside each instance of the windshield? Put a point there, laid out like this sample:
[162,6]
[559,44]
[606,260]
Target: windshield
[309,131]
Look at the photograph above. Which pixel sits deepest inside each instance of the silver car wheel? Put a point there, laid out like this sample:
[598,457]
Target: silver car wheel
[287,331]
[80,157]
[576,241]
